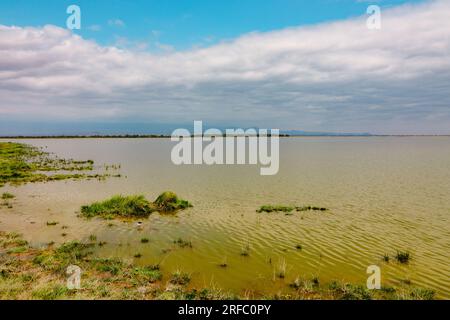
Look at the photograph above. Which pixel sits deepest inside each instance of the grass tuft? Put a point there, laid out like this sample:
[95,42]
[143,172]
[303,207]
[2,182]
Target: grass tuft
[7,196]
[403,257]
[180,278]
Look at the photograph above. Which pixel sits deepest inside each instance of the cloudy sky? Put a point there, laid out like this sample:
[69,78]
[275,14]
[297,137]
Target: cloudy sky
[284,64]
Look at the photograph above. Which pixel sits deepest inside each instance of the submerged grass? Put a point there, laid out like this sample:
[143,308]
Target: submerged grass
[7,196]
[180,278]
[183,243]
[288,209]
[136,206]
[269,208]
[27,273]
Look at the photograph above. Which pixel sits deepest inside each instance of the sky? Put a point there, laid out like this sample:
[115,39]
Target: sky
[153,66]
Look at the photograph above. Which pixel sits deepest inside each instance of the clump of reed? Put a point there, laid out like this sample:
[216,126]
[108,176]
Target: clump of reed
[288,209]
[136,206]
[168,202]
[7,196]
[280,271]
[119,206]
[276,208]
[245,250]
[403,257]
[179,277]
[183,243]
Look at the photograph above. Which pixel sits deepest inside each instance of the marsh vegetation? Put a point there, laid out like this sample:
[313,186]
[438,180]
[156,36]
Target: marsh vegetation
[288,209]
[134,207]
[29,273]
[21,163]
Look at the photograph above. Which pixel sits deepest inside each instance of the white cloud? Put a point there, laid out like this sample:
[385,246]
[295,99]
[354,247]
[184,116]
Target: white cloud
[334,77]
[116,23]
[95,28]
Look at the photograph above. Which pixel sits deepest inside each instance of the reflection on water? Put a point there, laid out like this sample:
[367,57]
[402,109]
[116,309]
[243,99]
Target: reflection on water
[385,194]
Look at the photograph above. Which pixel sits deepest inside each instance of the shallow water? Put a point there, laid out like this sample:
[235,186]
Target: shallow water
[384,194]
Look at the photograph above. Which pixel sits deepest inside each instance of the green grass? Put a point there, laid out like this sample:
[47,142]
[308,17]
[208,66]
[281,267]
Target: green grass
[120,206]
[288,209]
[17,250]
[51,292]
[169,202]
[269,208]
[310,208]
[21,163]
[136,206]
[180,278]
[147,274]
[112,266]
[41,274]
[7,196]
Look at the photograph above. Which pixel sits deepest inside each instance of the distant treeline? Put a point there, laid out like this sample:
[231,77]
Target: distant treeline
[154,136]
[162,136]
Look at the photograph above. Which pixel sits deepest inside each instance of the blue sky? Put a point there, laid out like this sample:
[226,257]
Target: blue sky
[149,66]
[182,24]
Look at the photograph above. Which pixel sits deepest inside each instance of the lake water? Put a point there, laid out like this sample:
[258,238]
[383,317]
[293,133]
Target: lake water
[384,194]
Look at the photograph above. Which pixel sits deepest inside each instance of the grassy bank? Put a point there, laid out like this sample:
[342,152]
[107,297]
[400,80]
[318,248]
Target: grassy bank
[28,273]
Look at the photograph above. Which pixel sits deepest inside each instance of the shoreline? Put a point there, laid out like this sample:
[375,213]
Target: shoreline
[155,136]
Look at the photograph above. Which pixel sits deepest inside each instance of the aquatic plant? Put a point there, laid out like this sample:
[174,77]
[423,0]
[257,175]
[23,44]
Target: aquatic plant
[309,208]
[137,206]
[245,250]
[403,256]
[21,163]
[386,257]
[169,202]
[7,196]
[180,278]
[41,276]
[119,206]
[224,263]
[315,281]
[145,240]
[288,209]
[52,223]
[147,274]
[183,243]
[281,269]
[349,291]
[269,208]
